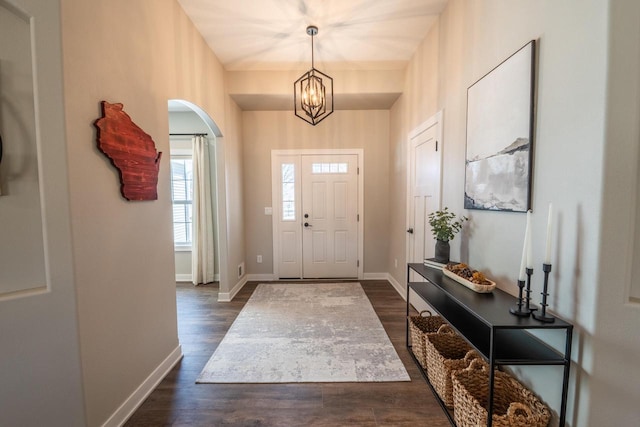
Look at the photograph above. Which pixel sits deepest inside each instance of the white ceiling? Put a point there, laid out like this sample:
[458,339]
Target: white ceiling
[353,34]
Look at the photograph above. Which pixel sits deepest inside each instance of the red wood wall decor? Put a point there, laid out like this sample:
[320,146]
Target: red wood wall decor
[131,151]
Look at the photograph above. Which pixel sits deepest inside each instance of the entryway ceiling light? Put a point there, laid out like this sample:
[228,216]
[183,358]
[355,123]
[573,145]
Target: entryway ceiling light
[313,91]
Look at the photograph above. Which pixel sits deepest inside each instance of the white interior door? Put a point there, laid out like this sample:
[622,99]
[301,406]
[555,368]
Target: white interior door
[330,216]
[424,190]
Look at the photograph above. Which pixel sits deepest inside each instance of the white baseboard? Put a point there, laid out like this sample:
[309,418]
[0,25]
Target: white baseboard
[129,406]
[261,277]
[401,289]
[188,278]
[375,276]
[228,296]
[417,303]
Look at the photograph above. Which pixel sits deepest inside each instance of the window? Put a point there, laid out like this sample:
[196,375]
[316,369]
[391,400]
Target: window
[329,168]
[288,192]
[182,198]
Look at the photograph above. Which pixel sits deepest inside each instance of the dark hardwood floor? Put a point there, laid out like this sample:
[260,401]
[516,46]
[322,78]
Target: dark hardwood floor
[202,323]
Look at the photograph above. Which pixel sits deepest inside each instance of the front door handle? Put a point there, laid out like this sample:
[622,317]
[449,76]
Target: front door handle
[410,230]
[306,224]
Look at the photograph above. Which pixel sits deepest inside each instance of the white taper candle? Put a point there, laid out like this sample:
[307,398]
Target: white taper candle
[529,244]
[523,260]
[547,254]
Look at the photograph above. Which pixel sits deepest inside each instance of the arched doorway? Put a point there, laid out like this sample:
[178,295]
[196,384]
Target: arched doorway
[187,120]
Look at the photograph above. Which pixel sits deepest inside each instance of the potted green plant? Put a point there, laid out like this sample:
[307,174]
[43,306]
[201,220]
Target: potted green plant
[444,227]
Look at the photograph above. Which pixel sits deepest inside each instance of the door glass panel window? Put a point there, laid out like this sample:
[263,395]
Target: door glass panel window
[288,192]
[318,168]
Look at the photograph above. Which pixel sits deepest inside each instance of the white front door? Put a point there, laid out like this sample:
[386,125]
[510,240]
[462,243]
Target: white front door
[330,216]
[317,214]
[423,189]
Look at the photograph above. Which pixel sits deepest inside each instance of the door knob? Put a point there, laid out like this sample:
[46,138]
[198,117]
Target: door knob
[410,230]
[306,224]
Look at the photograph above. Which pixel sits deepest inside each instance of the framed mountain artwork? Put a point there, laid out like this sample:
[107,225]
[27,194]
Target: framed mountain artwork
[499,151]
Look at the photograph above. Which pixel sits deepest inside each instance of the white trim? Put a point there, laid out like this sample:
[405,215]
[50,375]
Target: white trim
[401,289]
[222,214]
[133,402]
[180,152]
[189,277]
[319,152]
[436,119]
[275,217]
[375,276]
[359,152]
[228,296]
[261,277]
[361,213]
[417,303]
[182,248]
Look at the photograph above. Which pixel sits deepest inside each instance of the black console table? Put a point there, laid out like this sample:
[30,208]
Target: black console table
[485,322]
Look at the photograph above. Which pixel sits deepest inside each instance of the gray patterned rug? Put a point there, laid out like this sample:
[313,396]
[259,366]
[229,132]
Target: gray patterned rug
[305,332]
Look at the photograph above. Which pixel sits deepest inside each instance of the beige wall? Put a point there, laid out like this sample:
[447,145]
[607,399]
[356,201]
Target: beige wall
[471,38]
[266,131]
[234,254]
[140,54]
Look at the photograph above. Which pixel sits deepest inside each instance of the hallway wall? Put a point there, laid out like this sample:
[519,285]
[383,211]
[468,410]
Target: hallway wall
[470,39]
[141,54]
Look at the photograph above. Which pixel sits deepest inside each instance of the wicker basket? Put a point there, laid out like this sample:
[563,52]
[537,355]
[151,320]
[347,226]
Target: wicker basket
[513,404]
[419,327]
[446,352]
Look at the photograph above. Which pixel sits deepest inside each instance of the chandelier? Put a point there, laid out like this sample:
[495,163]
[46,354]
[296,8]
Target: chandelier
[313,91]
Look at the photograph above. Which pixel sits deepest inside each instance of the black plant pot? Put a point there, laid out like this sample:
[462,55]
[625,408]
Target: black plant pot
[442,251]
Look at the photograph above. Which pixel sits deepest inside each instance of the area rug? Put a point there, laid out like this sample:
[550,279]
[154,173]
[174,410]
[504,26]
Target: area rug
[305,332]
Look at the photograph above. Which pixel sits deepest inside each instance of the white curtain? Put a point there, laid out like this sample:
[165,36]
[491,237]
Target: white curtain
[202,216]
